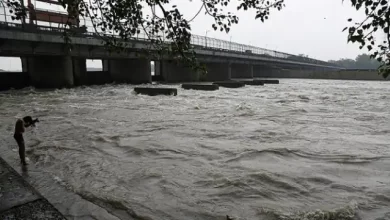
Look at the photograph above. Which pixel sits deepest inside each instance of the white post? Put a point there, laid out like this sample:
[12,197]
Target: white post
[206,37]
[230,46]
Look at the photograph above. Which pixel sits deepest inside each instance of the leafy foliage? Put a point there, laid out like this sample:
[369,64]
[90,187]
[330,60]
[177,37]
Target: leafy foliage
[377,21]
[117,21]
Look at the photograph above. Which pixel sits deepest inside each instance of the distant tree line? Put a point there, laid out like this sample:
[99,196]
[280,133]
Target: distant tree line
[362,61]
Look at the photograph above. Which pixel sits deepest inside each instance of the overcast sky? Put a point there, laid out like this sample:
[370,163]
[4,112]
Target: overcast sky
[311,27]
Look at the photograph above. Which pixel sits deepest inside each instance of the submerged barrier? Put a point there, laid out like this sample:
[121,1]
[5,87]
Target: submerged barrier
[229,84]
[155,91]
[254,82]
[205,87]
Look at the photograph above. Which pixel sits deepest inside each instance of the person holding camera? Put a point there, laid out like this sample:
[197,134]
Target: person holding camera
[18,135]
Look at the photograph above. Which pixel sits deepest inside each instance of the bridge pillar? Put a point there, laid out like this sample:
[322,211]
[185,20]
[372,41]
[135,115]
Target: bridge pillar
[177,72]
[105,64]
[320,69]
[157,68]
[218,71]
[24,64]
[80,71]
[51,71]
[135,71]
[300,72]
[265,71]
[242,71]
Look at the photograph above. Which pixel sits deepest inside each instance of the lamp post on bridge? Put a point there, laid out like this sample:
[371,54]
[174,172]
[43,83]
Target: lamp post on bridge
[24,17]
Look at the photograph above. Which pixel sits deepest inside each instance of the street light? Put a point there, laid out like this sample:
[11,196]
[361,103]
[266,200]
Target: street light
[24,17]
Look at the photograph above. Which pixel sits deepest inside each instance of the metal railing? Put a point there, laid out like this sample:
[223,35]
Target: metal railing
[196,40]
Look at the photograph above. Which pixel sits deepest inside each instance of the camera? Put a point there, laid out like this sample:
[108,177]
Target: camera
[34,121]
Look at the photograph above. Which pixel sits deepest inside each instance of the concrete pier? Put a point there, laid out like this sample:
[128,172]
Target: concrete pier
[24,62]
[155,91]
[80,71]
[50,71]
[157,67]
[204,87]
[269,81]
[176,72]
[218,71]
[253,82]
[265,71]
[134,71]
[19,200]
[105,65]
[242,71]
[229,84]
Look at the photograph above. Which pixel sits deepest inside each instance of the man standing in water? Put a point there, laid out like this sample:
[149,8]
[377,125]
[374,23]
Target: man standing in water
[18,135]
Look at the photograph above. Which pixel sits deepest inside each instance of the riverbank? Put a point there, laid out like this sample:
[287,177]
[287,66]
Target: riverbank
[19,200]
[63,198]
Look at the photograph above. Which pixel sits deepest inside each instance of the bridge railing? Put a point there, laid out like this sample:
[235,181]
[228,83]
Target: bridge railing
[196,40]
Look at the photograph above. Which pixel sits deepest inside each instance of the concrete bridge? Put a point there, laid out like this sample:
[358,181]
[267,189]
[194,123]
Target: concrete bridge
[48,62]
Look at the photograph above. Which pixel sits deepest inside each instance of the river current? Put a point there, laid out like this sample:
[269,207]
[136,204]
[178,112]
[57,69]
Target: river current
[303,149]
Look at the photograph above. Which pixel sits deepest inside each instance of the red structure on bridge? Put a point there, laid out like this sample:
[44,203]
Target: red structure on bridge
[51,16]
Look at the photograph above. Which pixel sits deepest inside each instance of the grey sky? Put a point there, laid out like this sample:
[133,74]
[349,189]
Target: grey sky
[311,27]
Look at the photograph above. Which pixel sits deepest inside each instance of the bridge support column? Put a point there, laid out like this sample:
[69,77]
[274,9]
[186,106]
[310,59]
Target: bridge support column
[105,65]
[51,71]
[135,71]
[178,72]
[300,73]
[320,69]
[80,71]
[265,71]
[157,68]
[24,61]
[242,71]
[218,71]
